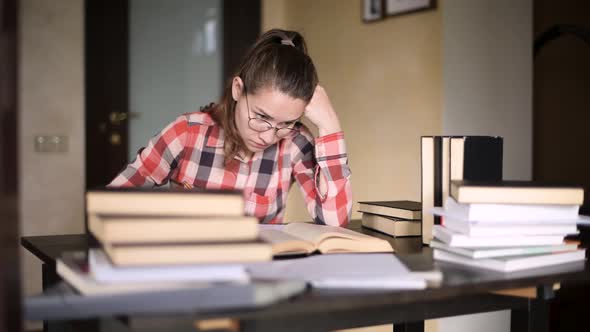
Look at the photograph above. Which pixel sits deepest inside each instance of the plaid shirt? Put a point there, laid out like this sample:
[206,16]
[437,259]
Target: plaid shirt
[190,150]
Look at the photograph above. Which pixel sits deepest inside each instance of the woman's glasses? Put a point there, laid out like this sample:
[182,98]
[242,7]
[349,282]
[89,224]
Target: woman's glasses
[261,125]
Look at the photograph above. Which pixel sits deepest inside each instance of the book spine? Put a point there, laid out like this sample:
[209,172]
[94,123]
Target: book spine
[438,175]
[427,188]
[446,168]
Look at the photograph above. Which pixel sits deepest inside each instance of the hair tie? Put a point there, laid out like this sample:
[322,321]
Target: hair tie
[287,42]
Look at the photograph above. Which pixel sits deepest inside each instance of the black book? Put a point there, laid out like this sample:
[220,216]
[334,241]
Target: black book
[476,158]
[408,210]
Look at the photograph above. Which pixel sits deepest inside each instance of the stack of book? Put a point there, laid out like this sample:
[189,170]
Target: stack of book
[508,226]
[448,158]
[395,218]
[163,236]
[138,227]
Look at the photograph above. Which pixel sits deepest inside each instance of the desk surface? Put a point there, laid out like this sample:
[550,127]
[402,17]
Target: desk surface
[471,285]
[457,279]
[49,247]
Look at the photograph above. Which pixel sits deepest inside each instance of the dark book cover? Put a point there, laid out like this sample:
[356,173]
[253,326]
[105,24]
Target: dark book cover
[515,184]
[482,158]
[438,176]
[402,205]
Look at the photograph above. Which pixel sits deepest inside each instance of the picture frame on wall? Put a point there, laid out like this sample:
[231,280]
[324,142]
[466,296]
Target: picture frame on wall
[400,7]
[372,10]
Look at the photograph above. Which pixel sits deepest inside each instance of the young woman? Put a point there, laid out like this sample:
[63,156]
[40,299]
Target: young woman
[252,140]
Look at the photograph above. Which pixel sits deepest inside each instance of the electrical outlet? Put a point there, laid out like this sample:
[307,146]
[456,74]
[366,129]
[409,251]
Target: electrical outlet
[51,143]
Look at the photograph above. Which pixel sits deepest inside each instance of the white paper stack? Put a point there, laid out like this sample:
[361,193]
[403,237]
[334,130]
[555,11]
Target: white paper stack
[365,271]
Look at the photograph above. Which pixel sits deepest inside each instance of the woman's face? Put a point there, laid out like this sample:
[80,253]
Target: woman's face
[275,107]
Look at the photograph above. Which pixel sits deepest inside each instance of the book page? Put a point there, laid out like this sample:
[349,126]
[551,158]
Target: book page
[337,239]
[378,271]
[283,243]
[317,233]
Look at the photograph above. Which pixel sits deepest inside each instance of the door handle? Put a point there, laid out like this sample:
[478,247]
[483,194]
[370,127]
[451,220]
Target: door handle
[117,117]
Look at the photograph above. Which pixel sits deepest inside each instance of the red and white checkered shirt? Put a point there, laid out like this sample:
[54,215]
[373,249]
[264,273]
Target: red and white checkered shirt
[190,150]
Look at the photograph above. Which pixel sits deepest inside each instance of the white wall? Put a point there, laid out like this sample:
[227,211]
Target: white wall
[487,90]
[487,75]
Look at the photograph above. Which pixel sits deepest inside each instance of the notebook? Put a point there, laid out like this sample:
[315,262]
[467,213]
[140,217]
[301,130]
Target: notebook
[362,271]
[103,271]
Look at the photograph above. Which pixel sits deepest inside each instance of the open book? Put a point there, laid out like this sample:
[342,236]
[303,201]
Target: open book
[304,238]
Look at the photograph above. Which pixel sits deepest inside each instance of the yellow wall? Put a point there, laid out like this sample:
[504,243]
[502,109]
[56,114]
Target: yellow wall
[384,80]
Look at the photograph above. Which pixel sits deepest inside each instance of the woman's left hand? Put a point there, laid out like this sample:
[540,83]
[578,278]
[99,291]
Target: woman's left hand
[321,113]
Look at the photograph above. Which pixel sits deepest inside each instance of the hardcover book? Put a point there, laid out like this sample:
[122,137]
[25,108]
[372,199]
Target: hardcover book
[513,263]
[476,253]
[409,210]
[164,202]
[510,213]
[455,239]
[477,158]
[475,229]
[392,226]
[138,254]
[161,229]
[515,192]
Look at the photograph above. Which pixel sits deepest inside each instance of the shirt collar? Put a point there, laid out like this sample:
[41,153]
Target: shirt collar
[215,138]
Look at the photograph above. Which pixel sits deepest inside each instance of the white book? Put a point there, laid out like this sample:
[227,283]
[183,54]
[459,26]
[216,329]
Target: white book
[477,229]
[511,264]
[508,212]
[476,253]
[72,268]
[103,271]
[367,271]
[446,214]
[455,239]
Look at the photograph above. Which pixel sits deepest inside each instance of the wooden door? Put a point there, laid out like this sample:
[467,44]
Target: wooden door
[107,77]
[561,99]
[106,87]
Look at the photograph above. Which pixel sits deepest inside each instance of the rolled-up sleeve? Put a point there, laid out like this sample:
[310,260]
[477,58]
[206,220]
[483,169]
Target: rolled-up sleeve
[326,157]
[154,163]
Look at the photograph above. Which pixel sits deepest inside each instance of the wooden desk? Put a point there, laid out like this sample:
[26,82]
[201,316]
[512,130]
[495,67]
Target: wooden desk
[463,291]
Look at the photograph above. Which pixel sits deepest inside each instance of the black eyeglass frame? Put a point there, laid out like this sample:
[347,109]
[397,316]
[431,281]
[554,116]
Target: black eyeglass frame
[292,131]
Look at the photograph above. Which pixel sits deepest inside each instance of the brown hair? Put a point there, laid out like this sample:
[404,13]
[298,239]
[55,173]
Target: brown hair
[279,60]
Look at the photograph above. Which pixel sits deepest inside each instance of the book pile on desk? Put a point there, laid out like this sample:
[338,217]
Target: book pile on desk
[166,237]
[395,218]
[139,227]
[454,158]
[508,226]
